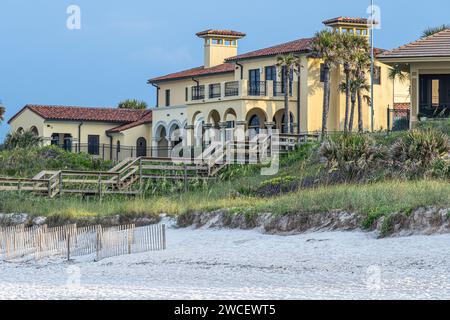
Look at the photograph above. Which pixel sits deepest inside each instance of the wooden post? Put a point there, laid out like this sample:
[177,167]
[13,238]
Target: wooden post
[68,245]
[98,242]
[186,188]
[140,176]
[164,236]
[388,120]
[100,185]
[49,188]
[60,184]
[130,235]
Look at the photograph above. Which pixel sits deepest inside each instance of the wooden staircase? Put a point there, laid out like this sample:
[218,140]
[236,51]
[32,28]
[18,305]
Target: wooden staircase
[127,177]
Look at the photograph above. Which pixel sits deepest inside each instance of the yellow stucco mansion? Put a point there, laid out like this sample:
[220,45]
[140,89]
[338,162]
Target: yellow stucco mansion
[229,91]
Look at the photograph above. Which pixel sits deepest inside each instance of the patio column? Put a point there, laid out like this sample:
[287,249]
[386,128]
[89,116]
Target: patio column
[208,133]
[223,132]
[269,127]
[190,135]
[240,136]
[155,147]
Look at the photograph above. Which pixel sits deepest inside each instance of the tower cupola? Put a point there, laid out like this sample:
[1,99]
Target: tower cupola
[220,45]
[357,26]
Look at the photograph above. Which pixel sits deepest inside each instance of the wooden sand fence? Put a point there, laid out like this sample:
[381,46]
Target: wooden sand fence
[70,241]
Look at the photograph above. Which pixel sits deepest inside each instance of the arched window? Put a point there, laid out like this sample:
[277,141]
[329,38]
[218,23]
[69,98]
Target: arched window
[141,147]
[34,131]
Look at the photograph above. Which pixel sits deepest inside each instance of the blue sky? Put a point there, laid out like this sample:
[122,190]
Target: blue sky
[121,44]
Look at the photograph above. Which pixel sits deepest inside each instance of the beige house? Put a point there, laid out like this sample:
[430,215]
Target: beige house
[428,63]
[109,133]
[246,90]
[229,91]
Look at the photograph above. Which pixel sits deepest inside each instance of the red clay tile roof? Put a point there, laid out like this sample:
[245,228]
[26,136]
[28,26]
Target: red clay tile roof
[70,113]
[402,106]
[146,119]
[297,46]
[347,20]
[229,33]
[196,72]
[437,45]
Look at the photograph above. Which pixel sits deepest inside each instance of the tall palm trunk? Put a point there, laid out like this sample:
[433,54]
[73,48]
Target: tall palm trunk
[347,96]
[352,112]
[326,99]
[287,119]
[360,119]
[393,93]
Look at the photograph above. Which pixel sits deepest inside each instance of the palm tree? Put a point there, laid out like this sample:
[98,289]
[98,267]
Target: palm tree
[433,30]
[21,139]
[358,86]
[132,104]
[326,47]
[362,63]
[346,52]
[2,112]
[396,72]
[289,64]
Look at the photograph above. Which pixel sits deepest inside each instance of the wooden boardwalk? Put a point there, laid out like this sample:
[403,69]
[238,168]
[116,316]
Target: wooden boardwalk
[128,177]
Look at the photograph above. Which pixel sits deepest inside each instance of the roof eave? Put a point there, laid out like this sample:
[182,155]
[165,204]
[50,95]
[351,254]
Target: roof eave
[156,81]
[230,60]
[412,59]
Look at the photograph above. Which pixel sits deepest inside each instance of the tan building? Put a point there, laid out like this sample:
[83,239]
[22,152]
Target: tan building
[246,90]
[104,132]
[428,63]
[229,91]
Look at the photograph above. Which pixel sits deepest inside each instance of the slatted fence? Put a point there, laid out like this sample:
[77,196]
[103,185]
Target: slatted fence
[69,241]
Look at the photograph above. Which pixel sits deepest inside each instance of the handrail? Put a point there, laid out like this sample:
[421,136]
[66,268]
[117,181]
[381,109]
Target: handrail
[6,179]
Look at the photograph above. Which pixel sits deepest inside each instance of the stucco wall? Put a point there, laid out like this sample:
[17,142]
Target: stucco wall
[26,120]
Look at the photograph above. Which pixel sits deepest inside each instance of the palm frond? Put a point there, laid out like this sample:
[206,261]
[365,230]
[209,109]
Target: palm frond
[433,30]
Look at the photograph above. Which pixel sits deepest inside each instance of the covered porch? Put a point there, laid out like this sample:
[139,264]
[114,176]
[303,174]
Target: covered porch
[428,62]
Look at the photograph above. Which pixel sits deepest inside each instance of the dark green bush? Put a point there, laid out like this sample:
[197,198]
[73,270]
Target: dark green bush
[442,125]
[277,186]
[30,161]
[21,139]
[416,154]
[351,157]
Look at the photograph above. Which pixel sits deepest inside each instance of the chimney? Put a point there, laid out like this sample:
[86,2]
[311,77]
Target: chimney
[220,45]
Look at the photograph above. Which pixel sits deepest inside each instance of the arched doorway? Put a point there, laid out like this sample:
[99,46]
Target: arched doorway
[280,122]
[176,134]
[256,120]
[162,143]
[141,147]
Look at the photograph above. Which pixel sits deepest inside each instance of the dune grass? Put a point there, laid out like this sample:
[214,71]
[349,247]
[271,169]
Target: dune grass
[371,200]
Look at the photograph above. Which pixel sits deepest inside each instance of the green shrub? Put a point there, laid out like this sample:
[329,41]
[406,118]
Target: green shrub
[21,139]
[351,156]
[442,125]
[418,152]
[277,186]
[30,161]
